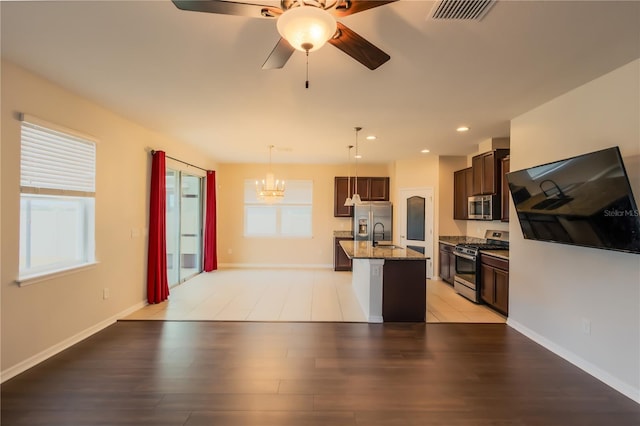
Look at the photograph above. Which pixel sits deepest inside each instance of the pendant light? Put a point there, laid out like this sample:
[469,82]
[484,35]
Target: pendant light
[348,202]
[356,197]
[270,190]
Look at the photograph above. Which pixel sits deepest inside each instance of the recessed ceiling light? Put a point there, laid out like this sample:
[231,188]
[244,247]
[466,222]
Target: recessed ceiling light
[462,129]
[425,151]
[371,138]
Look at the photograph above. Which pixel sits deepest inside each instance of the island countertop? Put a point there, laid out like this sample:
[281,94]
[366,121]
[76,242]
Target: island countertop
[365,250]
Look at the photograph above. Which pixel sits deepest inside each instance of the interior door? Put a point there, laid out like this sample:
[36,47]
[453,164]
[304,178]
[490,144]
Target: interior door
[415,222]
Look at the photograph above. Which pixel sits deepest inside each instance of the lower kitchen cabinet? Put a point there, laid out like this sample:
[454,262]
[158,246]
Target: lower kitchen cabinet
[341,261]
[494,282]
[447,263]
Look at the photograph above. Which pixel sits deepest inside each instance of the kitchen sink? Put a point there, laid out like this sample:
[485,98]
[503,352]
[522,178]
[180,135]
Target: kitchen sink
[388,246]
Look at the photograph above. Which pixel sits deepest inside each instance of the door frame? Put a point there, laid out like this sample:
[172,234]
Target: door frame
[429,212]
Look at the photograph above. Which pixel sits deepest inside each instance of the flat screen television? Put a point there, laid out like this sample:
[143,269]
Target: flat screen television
[585,200]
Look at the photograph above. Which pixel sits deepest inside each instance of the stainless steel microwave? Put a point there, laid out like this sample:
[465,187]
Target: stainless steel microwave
[483,207]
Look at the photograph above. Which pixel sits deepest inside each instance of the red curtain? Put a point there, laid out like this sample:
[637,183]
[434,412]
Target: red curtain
[157,287]
[210,247]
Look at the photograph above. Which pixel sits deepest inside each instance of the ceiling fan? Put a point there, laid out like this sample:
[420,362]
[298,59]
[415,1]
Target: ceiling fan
[304,25]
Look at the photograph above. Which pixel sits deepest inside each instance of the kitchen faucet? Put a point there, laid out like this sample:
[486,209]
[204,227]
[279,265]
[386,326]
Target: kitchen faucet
[375,243]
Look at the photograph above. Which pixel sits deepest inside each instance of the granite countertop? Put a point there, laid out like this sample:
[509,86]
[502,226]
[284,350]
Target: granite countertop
[343,234]
[365,250]
[501,254]
[459,239]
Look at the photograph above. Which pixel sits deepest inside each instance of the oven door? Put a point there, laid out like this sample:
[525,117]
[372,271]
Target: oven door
[466,266]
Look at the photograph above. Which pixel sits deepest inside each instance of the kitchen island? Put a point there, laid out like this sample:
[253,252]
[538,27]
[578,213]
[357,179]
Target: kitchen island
[390,282]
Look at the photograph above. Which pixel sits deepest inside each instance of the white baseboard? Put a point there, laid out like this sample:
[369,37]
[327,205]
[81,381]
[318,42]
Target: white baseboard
[59,347]
[598,373]
[275,266]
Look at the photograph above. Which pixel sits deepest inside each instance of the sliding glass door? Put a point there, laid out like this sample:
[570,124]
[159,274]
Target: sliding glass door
[184,226]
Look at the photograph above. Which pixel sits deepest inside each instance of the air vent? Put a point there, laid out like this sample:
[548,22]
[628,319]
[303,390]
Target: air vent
[461,9]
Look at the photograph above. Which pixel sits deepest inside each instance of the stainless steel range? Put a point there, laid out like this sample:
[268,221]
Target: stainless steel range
[467,278]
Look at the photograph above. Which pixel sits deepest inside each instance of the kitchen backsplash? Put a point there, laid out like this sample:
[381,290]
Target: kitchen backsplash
[477,228]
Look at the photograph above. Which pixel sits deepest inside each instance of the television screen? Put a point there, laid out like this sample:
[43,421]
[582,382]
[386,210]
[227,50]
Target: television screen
[584,200]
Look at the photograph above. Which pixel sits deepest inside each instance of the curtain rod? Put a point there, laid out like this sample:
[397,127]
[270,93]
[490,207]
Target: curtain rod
[180,161]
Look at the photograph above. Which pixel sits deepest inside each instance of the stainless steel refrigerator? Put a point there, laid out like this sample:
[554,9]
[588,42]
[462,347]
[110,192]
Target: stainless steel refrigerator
[373,221]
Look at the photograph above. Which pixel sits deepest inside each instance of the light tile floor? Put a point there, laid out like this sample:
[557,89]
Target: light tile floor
[292,295]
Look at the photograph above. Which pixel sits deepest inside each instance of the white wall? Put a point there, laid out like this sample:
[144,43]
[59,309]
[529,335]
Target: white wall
[45,317]
[554,288]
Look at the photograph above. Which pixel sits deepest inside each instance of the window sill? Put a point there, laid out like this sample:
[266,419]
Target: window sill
[35,278]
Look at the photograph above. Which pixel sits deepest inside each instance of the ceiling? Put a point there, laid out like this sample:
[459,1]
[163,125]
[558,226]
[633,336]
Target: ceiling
[197,76]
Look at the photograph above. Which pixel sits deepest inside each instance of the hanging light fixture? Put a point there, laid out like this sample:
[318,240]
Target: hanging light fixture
[306,28]
[355,198]
[270,189]
[348,202]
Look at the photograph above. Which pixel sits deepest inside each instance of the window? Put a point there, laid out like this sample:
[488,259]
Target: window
[291,217]
[57,199]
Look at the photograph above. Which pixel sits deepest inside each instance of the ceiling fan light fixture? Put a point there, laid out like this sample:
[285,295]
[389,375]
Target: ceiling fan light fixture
[306,28]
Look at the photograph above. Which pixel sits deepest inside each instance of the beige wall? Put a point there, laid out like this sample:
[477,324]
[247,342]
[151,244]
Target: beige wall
[554,288]
[44,317]
[234,249]
[447,225]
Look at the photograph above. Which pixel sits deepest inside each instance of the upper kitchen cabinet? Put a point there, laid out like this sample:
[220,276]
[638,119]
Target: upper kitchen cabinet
[341,191]
[487,172]
[462,189]
[369,189]
[379,189]
[505,190]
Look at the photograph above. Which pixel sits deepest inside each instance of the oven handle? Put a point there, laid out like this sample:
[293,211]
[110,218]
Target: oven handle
[464,256]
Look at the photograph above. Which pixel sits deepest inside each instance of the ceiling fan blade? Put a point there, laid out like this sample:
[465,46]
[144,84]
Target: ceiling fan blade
[358,48]
[279,55]
[349,7]
[228,8]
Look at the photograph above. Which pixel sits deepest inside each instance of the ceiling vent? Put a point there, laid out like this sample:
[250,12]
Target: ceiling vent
[461,9]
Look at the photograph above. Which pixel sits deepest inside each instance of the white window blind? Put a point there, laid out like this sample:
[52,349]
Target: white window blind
[57,200]
[56,163]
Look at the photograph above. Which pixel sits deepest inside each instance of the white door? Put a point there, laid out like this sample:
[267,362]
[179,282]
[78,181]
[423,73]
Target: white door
[415,221]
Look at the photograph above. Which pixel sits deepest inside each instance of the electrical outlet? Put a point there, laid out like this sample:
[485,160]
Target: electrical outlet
[586,326]
[105,293]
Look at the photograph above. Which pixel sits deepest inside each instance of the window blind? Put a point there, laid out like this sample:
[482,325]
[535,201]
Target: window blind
[56,163]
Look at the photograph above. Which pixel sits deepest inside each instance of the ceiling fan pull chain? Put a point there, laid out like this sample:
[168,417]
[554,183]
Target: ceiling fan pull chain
[306,84]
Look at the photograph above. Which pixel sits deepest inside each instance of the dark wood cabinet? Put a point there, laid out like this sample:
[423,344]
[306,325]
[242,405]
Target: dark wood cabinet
[462,189]
[487,176]
[379,189]
[340,193]
[447,263]
[369,189]
[404,291]
[504,216]
[494,282]
[341,261]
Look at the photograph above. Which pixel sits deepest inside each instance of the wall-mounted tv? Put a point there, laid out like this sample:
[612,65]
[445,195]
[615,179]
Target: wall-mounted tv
[584,200]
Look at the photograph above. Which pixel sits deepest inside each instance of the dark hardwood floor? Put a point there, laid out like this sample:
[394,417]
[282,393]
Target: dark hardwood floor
[307,374]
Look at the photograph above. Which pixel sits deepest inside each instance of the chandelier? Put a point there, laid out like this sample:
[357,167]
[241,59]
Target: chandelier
[270,190]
